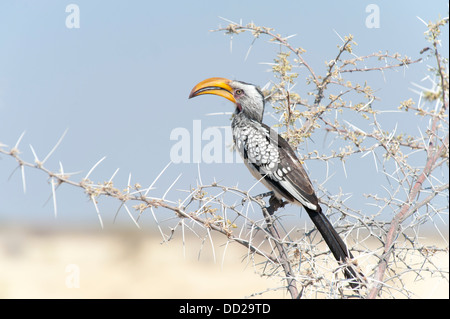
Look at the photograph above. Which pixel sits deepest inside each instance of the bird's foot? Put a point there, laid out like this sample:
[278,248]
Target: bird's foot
[266,194]
[274,204]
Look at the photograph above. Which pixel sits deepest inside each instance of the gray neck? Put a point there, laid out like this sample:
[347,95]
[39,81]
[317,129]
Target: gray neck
[240,119]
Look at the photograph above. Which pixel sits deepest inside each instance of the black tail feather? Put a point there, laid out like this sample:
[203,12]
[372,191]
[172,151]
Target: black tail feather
[335,243]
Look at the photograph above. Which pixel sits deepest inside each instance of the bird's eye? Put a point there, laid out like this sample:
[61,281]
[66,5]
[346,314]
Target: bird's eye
[239,92]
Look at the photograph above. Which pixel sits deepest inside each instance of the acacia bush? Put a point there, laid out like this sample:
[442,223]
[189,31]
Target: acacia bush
[385,239]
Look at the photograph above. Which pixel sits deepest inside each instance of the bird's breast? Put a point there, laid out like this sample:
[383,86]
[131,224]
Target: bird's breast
[256,148]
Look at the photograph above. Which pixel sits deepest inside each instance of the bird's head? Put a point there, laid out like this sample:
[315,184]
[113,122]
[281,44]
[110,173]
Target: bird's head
[248,98]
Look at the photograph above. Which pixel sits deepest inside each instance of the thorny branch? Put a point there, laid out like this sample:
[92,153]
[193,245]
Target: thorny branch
[393,145]
[383,246]
[274,247]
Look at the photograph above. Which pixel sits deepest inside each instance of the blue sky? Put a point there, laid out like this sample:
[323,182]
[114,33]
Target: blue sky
[120,82]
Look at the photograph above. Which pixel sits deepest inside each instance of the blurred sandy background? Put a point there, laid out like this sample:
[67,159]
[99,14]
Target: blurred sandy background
[134,264]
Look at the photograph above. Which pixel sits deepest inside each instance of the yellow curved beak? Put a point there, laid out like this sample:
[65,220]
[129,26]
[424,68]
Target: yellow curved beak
[216,86]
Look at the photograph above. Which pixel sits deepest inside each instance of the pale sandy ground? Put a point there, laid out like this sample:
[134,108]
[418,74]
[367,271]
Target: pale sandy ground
[135,265]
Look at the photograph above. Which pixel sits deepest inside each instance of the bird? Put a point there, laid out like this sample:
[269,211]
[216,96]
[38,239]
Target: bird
[271,160]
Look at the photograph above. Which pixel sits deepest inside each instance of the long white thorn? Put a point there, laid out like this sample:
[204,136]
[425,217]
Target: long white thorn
[345,171]
[249,49]
[22,168]
[55,147]
[20,139]
[157,224]
[93,167]
[157,177]
[97,210]
[224,252]
[61,168]
[131,216]
[170,187]
[113,175]
[36,159]
[129,183]
[184,239]
[52,182]
[199,173]
[421,20]
[212,244]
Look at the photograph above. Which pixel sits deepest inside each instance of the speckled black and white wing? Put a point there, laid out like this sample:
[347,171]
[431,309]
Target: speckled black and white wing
[271,160]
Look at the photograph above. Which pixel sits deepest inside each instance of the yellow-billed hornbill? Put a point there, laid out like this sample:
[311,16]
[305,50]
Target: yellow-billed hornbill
[271,160]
